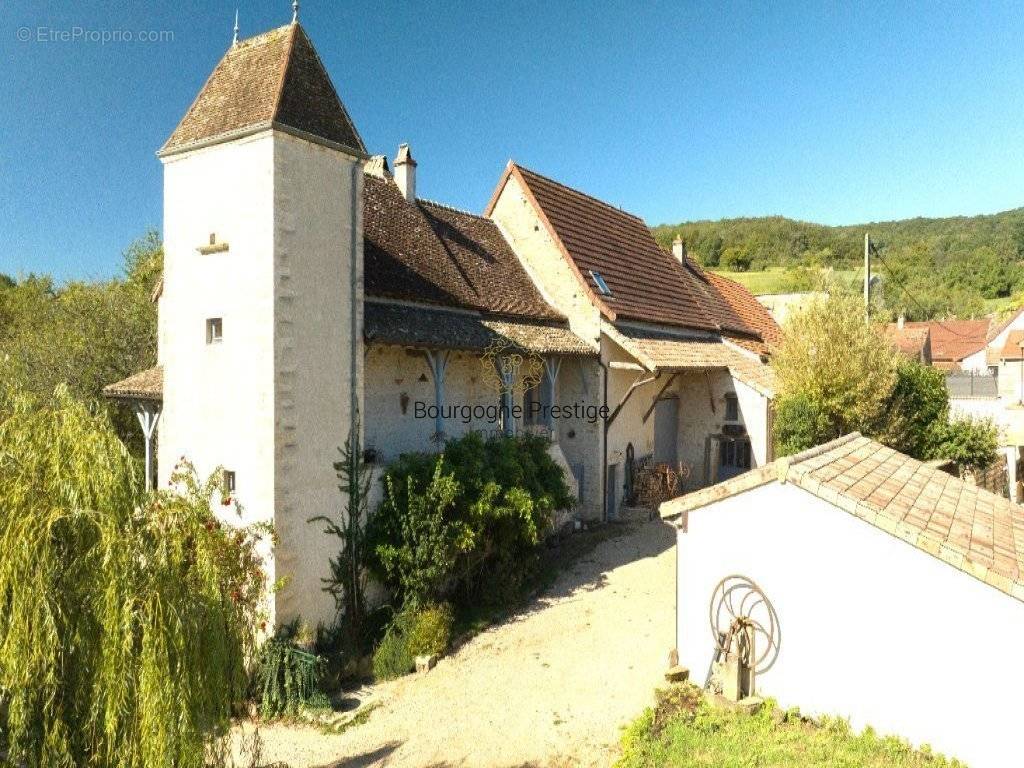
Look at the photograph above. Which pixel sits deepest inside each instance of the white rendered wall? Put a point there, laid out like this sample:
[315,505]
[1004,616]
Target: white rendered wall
[315,341]
[872,628]
[394,375]
[540,255]
[271,402]
[219,399]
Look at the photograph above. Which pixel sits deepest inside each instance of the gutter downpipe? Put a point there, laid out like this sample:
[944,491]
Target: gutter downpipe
[356,232]
[607,424]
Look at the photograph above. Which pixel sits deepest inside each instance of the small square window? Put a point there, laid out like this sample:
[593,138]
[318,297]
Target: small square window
[214,330]
[229,481]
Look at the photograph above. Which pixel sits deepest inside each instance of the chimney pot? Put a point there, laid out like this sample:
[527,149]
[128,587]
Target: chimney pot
[679,248]
[405,172]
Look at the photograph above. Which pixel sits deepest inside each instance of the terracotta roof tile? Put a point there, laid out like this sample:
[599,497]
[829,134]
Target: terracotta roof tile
[1012,349]
[646,282]
[953,340]
[751,312]
[910,340]
[275,78]
[432,254]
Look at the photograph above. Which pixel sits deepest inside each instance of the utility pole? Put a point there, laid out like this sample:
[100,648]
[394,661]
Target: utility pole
[867,278]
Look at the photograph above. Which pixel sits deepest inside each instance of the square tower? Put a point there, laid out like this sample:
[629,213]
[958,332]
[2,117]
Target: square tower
[261,311]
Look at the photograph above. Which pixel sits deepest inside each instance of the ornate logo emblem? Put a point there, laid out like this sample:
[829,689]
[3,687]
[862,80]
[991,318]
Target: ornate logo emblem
[507,367]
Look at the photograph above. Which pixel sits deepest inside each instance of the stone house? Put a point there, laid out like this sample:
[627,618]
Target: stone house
[307,285]
[681,350]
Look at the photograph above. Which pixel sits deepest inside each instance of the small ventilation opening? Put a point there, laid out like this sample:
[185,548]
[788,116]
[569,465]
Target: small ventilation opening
[214,330]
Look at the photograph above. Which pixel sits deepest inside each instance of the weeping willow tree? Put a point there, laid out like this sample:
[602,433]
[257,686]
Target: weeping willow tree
[125,620]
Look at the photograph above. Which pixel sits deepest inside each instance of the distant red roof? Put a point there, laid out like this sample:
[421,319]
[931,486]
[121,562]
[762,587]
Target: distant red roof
[1012,348]
[912,340]
[953,340]
[645,282]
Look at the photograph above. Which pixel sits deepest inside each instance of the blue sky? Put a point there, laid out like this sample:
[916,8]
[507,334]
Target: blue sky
[835,113]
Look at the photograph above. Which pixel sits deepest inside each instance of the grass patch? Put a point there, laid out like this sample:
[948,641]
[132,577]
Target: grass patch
[684,731]
[778,279]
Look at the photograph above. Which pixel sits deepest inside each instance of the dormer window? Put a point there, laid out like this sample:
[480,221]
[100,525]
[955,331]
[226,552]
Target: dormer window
[602,286]
[214,330]
[213,246]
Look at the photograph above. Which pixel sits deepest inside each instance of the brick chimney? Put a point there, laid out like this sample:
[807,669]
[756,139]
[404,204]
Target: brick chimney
[405,173]
[679,248]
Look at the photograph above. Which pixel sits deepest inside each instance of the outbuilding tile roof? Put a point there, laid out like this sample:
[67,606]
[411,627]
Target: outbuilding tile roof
[646,282]
[435,328]
[968,527]
[275,78]
[147,385]
[430,253]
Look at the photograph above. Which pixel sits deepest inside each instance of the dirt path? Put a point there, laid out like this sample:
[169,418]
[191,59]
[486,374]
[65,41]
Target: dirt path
[551,686]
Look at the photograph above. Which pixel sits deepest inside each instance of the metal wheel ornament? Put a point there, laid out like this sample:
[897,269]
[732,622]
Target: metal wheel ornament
[737,606]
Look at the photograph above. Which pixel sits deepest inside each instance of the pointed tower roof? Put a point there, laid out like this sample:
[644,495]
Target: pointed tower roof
[275,79]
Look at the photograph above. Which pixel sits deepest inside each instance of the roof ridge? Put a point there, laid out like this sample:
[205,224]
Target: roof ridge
[447,207]
[579,192]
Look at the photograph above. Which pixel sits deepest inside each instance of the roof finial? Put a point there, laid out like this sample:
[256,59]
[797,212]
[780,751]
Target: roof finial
[295,11]
[234,40]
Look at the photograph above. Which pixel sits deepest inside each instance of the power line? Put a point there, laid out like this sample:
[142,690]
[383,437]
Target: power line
[912,297]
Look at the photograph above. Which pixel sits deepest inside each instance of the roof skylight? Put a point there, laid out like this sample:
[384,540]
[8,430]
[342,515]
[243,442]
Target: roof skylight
[602,286]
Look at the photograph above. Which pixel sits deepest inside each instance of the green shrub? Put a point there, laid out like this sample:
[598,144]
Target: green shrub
[465,526]
[799,425]
[971,443]
[127,618]
[393,658]
[287,677]
[430,631]
[412,633]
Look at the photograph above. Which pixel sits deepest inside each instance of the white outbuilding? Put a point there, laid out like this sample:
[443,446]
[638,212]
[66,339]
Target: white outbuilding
[898,593]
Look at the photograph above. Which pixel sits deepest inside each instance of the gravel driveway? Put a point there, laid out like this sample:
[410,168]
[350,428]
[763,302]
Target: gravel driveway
[551,686]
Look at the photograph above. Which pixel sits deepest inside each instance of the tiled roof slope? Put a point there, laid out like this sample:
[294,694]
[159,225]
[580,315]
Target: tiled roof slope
[1012,349]
[275,78]
[428,253]
[428,327]
[751,312]
[661,352]
[953,340]
[910,341]
[147,385]
[968,527]
[646,282]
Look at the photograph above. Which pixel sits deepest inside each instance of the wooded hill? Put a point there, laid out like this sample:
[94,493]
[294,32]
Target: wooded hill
[949,265]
